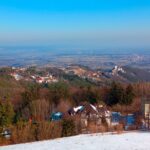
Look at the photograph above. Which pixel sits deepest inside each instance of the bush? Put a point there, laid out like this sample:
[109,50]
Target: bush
[68,128]
[118,128]
[92,127]
[48,130]
[22,132]
[102,129]
[27,132]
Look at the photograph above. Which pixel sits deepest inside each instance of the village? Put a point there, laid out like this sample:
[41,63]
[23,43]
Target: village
[99,114]
[94,118]
[83,72]
[20,73]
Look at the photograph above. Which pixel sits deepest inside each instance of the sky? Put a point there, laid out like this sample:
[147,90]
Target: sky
[75,23]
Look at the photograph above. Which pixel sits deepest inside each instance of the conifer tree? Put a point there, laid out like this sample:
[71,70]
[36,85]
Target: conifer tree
[116,94]
[6,113]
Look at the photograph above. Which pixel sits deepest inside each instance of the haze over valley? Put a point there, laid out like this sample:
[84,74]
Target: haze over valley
[98,59]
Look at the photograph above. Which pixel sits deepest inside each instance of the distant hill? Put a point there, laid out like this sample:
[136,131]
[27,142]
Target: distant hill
[131,74]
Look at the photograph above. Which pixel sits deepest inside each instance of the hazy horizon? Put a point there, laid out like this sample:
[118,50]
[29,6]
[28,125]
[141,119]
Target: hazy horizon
[86,24]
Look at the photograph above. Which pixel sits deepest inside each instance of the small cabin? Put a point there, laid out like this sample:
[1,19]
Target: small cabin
[145,107]
[145,110]
[95,114]
[6,133]
[75,110]
[115,118]
[56,116]
[130,119]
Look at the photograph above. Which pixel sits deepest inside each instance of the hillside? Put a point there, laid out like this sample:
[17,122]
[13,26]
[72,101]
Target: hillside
[136,74]
[130,74]
[127,141]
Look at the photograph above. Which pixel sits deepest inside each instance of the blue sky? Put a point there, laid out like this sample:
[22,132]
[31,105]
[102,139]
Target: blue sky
[75,23]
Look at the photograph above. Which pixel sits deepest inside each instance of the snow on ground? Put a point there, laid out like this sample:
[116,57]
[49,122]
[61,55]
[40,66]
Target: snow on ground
[126,141]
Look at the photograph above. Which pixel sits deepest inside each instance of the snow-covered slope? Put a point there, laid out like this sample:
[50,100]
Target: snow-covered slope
[127,141]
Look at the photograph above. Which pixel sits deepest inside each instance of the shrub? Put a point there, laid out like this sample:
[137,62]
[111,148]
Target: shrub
[92,127]
[102,129]
[48,130]
[68,128]
[23,132]
[27,132]
[118,128]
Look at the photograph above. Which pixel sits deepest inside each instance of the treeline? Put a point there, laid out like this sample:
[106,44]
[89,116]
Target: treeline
[27,110]
[120,95]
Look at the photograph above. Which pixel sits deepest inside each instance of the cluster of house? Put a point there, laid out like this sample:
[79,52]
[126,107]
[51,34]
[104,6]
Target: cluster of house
[46,79]
[91,113]
[117,69]
[83,73]
[18,74]
[98,113]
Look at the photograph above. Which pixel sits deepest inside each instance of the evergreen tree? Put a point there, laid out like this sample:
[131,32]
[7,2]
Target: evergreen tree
[116,94]
[91,96]
[129,95]
[31,93]
[57,91]
[6,113]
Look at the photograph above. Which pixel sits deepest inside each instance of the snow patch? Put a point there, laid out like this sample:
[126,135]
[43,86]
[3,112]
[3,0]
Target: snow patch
[127,141]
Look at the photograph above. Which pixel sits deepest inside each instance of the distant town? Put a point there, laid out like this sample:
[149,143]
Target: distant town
[55,74]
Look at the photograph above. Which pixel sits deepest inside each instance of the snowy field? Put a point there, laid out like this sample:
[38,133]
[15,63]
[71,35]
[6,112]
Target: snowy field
[126,141]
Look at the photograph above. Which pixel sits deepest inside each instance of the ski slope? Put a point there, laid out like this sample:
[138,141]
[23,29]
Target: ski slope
[126,141]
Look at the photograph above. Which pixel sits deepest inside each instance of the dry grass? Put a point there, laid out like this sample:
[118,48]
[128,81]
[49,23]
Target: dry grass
[118,128]
[28,132]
